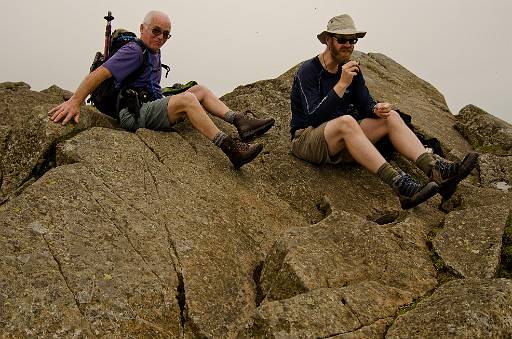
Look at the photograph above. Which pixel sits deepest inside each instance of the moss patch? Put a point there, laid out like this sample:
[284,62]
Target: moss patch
[492,149]
[407,308]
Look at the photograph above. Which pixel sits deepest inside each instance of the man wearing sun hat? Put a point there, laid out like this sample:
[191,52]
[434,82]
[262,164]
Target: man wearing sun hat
[335,120]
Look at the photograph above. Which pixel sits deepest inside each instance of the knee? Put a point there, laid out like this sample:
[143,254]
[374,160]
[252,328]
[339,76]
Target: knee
[394,118]
[200,91]
[183,103]
[184,100]
[346,124]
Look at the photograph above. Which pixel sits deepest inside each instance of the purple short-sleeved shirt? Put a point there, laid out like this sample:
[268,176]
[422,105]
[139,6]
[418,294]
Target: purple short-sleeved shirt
[128,59]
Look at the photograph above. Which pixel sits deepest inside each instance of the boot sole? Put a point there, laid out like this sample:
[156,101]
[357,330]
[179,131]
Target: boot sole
[250,158]
[249,135]
[468,164]
[427,192]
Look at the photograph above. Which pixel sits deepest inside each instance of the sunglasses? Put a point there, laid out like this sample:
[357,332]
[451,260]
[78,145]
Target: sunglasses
[157,31]
[342,40]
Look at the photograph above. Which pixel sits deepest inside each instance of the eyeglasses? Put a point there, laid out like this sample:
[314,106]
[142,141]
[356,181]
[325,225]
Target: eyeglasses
[341,40]
[157,31]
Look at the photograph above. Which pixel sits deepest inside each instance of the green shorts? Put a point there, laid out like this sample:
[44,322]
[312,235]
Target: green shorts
[309,144]
[153,115]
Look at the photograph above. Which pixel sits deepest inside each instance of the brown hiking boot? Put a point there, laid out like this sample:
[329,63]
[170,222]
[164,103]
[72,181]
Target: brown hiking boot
[411,193]
[249,127]
[448,174]
[238,152]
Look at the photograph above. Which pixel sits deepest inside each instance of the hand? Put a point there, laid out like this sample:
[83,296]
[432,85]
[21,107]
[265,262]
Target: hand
[348,72]
[382,109]
[65,111]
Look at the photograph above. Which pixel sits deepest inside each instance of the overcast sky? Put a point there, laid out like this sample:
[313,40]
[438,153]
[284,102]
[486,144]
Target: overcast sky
[463,48]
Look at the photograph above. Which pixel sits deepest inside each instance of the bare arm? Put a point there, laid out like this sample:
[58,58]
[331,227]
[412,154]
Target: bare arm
[71,108]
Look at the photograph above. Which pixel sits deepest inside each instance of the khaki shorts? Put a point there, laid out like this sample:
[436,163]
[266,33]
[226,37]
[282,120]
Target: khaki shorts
[309,144]
[153,115]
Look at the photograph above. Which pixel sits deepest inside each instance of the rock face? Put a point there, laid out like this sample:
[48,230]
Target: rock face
[27,137]
[114,234]
[470,242]
[466,308]
[485,132]
[328,254]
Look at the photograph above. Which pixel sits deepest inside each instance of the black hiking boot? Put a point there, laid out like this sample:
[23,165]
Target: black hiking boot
[448,174]
[238,152]
[411,193]
[249,127]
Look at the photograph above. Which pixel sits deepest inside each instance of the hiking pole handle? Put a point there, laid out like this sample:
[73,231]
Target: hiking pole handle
[108,34]
[109,16]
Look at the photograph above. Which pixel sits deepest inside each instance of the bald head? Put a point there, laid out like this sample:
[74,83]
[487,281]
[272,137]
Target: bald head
[155,30]
[156,16]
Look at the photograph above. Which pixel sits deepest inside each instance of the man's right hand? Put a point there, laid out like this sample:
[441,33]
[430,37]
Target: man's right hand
[65,112]
[348,72]
[71,108]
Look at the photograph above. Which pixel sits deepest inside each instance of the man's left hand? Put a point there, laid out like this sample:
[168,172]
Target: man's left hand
[382,109]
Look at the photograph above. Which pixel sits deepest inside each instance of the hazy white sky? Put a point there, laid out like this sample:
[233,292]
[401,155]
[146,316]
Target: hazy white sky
[463,48]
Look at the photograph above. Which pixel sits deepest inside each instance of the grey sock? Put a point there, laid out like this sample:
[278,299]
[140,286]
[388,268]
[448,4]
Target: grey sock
[230,116]
[219,138]
[387,173]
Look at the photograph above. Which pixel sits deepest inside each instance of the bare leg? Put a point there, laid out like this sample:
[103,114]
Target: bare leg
[209,101]
[186,104]
[343,132]
[403,139]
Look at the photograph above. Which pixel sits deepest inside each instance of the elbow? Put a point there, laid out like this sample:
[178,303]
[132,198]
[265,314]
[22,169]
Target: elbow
[102,73]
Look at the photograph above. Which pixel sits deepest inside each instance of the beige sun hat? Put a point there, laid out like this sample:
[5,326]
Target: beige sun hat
[341,24]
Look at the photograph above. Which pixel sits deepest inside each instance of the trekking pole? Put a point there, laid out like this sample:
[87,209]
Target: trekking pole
[108,34]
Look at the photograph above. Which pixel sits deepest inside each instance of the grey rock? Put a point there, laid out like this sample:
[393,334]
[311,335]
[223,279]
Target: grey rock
[324,312]
[485,132]
[38,228]
[28,137]
[14,86]
[495,169]
[150,196]
[466,308]
[319,313]
[501,185]
[328,254]
[102,268]
[470,242]
[371,301]
[376,330]
[57,91]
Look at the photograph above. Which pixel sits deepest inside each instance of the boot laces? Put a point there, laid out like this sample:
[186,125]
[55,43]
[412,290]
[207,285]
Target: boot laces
[406,186]
[447,169]
[244,118]
[240,146]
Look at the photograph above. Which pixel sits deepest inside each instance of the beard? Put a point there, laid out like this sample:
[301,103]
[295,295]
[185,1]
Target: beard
[341,55]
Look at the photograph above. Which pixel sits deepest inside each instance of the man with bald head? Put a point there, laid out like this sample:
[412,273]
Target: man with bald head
[158,112]
[335,120]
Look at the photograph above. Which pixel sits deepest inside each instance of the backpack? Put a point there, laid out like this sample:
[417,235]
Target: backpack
[105,96]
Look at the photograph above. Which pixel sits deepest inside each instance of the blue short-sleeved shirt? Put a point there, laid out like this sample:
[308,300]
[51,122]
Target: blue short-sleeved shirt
[128,59]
